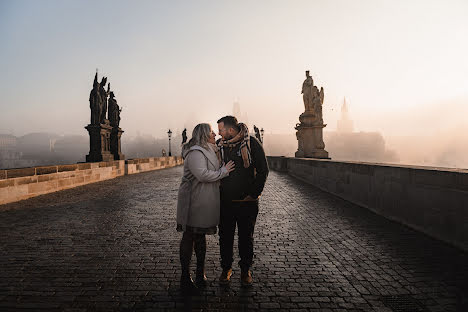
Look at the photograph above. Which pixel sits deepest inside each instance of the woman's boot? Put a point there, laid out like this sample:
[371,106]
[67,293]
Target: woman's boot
[186,249]
[200,250]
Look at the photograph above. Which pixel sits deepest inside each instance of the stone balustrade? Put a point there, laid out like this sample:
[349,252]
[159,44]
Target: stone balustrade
[430,200]
[19,184]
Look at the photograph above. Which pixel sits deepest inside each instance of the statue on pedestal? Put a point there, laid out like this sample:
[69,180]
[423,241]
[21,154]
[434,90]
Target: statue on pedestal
[310,128]
[313,100]
[104,134]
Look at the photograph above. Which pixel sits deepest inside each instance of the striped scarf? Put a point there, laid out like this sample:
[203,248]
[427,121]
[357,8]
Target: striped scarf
[244,139]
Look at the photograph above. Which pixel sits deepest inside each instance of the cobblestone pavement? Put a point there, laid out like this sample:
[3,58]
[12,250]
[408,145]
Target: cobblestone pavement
[113,246]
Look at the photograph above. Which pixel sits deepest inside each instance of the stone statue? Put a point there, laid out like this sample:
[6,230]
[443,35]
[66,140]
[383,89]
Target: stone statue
[317,101]
[184,136]
[103,93]
[95,103]
[310,128]
[318,106]
[307,92]
[313,99]
[114,110]
[257,134]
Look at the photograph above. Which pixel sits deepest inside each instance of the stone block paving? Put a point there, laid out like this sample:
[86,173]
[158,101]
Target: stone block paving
[112,245]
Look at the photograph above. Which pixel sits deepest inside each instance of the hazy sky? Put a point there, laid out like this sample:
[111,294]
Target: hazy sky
[173,63]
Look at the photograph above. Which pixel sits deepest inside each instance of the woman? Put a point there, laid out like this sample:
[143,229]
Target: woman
[198,201]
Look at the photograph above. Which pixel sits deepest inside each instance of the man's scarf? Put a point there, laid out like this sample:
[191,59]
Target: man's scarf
[241,138]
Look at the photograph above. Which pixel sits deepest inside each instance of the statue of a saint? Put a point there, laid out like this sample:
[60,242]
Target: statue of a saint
[95,102]
[307,92]
[184,136]
[103,93]
[257,134]
[114,110]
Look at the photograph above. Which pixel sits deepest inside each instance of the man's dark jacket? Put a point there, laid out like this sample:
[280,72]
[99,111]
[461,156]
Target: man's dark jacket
[244,181]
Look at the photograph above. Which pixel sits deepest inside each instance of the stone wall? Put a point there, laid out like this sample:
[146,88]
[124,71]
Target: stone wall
[153,163]
[19,184]
[430,200]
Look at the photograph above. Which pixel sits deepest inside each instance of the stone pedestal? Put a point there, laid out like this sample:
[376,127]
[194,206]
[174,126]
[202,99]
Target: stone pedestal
[310,137]
[115,143]
[99,142]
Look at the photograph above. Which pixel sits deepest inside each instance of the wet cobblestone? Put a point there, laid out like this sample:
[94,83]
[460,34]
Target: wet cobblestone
[112,245]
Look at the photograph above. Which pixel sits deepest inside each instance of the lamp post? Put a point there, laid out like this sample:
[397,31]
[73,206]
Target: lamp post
[169,134]
[261,133]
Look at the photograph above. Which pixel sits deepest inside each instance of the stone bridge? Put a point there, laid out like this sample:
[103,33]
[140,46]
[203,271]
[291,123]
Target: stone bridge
[112,245]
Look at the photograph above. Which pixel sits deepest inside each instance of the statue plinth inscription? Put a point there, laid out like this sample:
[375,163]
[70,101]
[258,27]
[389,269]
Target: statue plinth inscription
[310,128]
[104,134]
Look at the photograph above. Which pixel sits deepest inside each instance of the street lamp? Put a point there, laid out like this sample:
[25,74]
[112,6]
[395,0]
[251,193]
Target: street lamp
[169,134]
[261,133]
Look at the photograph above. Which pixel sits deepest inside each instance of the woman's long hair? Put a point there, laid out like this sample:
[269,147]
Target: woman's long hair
[200,136]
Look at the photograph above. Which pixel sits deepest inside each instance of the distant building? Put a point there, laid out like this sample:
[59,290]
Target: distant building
[359,146]
[9,156]
[41,149]
[346,144]
[345,124]
[7,141]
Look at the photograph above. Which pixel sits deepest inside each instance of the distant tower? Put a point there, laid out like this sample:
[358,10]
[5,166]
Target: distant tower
[236,112]
[52,144]
[345,124]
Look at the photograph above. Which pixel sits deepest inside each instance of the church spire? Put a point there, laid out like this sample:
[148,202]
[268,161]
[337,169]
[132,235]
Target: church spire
[345,124]
[344,107]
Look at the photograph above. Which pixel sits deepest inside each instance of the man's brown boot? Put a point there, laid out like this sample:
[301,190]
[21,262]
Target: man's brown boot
[225,277]
[246,278]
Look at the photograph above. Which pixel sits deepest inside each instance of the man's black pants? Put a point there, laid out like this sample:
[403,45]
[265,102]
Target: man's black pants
[244,214]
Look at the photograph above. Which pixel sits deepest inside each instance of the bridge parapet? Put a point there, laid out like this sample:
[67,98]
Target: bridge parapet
[428,199]
[23,183]
[133,166]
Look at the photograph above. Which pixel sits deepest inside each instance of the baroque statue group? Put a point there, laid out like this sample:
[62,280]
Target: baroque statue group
[99,103]
[104,133]
[310,128]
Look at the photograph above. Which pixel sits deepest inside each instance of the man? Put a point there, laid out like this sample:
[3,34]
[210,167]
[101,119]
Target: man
[239,195]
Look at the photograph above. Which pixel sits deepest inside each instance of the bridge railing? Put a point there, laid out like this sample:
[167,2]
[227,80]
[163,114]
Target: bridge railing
[430,200]
[19,184]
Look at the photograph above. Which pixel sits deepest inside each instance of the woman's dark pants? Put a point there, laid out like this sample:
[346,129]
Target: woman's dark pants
[189,242]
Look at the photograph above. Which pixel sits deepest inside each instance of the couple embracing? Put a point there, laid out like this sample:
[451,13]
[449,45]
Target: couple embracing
[220,187]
